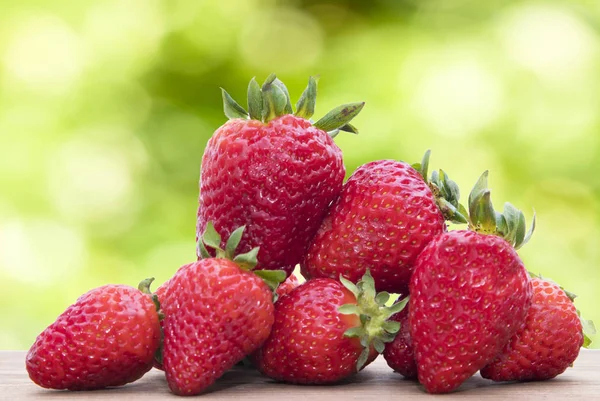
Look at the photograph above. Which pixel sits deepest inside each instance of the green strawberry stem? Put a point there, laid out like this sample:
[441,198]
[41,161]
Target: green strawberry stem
[375,329]
[144,286]
[510,224]
[587,326]
[246,261]
[445,191]
[272,100]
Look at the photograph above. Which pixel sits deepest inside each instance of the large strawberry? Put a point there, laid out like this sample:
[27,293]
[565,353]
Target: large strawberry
[385,215]
[273,171]
[399,354]
[326,330]
[107,338]
[216,312]
[548,343]
[470,294]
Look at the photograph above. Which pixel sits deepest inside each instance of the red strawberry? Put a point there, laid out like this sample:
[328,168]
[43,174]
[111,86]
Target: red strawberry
[548,343]
[318,336]
[470,294]
[273,171]
[216,313]
[288,285]
[384,217]
[399,354]
[107,338]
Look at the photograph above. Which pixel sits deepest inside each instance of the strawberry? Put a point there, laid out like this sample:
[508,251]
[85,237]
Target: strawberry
[384,217]
[548,343]
[399,354]
[216,312]
[470,294]
[107,338]
[326,330]
[288,285]
[273,172]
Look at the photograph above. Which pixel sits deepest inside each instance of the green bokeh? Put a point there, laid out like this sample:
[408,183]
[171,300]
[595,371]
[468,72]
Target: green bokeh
[105,108]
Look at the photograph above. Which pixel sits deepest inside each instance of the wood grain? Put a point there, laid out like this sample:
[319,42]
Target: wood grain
[376,382]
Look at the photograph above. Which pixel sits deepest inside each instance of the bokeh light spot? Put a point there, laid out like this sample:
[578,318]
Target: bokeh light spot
[90,181]
[40,252]
[547,40]
[44,53]
[458,96]
[282,40]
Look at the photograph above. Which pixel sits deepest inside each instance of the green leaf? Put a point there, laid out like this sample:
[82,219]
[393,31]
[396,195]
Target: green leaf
[391,326]
[288,105]
[482,213]
[480,186]
[382,297]
[423,167]
[231,107]
[362,359]
[247,260]
[397,307]
[349,285]
[271,277]
[274,100]
[202,250]
[349,309]
[530,232]
[233,242]
[305,108]
[255,101]
[354,332]
[211,237]
[378,345]
[339,116]
[519,230]
[387,337]
[349,128]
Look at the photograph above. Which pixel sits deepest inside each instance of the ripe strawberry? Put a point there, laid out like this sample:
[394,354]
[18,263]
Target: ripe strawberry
[216,312]
[399,354]
[287,286]
[384,217]
[548,343]
[273,171]
[470,294]
[107,338]
[326,330]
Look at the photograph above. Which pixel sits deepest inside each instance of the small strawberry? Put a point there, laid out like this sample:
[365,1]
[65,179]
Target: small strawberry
[273,171]
[326,330]
[399,354]
[385,215]
[288,285]
[548,343]
[216,312]
[469,294]
[107,338]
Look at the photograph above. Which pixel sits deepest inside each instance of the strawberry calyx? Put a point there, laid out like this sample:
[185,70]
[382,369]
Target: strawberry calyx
[375,329]
[445,191]
[510,224]
[272,100]
[246,261]
[144,287]
[587,326]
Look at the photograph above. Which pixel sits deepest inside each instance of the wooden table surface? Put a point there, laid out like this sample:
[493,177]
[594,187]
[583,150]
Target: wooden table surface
[376,382]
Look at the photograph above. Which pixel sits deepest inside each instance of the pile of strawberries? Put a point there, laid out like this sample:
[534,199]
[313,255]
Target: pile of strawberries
[272,196]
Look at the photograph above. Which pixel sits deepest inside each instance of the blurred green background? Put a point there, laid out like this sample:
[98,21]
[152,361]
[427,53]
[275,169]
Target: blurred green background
[106,106]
